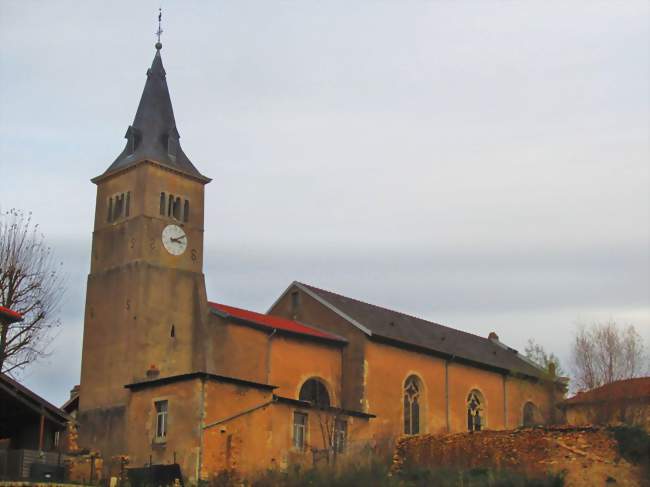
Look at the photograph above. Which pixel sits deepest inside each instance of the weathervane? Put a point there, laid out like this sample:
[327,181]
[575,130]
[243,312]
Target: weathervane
[159,31]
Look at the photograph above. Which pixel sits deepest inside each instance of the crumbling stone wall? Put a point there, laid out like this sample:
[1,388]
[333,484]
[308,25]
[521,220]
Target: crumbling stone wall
[585,455]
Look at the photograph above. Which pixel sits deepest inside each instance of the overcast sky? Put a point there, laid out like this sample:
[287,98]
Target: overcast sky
[483,164]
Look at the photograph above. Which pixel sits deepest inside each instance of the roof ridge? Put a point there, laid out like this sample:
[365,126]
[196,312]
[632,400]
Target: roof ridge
[398,312]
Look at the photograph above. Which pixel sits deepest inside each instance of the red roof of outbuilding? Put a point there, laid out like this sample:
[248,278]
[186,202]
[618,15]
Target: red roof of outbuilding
[274,322]
[10,314]
[615,391]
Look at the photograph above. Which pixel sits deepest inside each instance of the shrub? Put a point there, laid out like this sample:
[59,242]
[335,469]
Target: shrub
[633,444]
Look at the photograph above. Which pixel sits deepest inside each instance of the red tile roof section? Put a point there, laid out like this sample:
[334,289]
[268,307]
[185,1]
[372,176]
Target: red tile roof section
[275,322]
[10,314]
[621,389]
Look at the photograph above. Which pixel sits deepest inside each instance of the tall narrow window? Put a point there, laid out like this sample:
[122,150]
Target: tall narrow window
[299,430]
[186,211]
[475,411]
[161,420]
[531,414]
[412,398]
[177,208]
[119,205]
[162,204]
[340,435]
[295,303]
[126,205]
[110,210]
[170,205]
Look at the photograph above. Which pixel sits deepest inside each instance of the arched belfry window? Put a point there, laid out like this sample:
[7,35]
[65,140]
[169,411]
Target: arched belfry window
[475,411]
[412,405]
[315,392]
[531,414]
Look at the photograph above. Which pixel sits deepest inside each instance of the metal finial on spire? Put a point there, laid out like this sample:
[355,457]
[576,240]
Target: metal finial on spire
[159,31]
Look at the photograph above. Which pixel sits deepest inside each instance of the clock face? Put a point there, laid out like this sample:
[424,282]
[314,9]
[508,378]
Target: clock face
[174,239]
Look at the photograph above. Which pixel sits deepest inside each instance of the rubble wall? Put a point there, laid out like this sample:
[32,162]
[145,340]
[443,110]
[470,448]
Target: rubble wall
[584,455]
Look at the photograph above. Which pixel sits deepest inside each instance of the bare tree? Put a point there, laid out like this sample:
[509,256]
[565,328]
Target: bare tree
[536,353]
[604,353]
[31,283]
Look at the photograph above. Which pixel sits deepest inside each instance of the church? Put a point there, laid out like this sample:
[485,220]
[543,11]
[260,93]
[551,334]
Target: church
[171,375]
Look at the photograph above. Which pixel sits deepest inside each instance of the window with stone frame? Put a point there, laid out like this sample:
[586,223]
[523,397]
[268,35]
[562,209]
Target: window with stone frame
[475,411]
[412,403]
[299,430]
[161,421]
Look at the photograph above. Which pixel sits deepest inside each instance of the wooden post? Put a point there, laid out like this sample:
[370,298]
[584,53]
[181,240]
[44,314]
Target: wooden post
[41,433]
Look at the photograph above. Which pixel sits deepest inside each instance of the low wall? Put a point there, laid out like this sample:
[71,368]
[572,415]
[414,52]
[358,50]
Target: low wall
[585,455]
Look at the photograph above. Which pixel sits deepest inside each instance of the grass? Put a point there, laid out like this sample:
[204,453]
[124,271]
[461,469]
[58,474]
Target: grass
[377,475]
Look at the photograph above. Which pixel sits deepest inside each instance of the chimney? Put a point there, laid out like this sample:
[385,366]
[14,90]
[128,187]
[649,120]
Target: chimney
[74,391]
[551,368]
[493,336]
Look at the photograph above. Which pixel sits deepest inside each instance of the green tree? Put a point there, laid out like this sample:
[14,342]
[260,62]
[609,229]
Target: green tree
[536,353]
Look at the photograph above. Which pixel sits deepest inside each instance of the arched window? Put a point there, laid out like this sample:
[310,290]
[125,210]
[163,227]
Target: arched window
[531,414]
[315,392]
[475,411]
[412,401]
[186,211]
[162,203]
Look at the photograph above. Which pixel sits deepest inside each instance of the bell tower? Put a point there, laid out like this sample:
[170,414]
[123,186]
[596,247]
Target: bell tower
[146,306]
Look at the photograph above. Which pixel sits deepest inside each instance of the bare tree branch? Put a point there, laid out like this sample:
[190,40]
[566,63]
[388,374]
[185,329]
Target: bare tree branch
[32,284]
[604,353]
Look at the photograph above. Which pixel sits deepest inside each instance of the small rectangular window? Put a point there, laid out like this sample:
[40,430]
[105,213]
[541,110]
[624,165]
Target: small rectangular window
[161,420]
[162,204]
[299,430]
[128,201]
[340,435]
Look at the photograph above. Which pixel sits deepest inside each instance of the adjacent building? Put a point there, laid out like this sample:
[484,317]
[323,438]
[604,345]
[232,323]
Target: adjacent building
[620,402]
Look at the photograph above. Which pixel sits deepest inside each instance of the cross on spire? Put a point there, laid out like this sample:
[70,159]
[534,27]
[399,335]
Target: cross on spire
[159,31]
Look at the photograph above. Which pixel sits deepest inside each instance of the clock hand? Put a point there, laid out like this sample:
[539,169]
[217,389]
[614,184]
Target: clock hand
[177,239]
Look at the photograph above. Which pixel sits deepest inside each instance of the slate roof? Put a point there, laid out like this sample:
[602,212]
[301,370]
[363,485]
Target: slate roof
[274,322]
[637,388]
[393,326]
[153,136]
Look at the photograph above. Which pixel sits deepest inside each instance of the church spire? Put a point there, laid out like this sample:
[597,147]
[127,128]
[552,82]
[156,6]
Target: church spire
[153,136]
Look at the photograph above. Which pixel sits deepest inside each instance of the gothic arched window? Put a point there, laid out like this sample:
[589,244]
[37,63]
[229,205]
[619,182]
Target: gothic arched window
[475,411]
[530,414]
[315,392]
[412,402]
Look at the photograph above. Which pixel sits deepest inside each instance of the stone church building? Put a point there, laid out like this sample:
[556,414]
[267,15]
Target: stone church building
[170,376]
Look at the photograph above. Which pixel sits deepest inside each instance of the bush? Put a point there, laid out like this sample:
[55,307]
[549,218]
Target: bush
[633,444]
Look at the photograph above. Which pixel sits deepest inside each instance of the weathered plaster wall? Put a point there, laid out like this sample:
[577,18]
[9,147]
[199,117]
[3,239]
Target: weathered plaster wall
[294,360]
[312,312]
[183,427]
[627,411]
[387,369]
